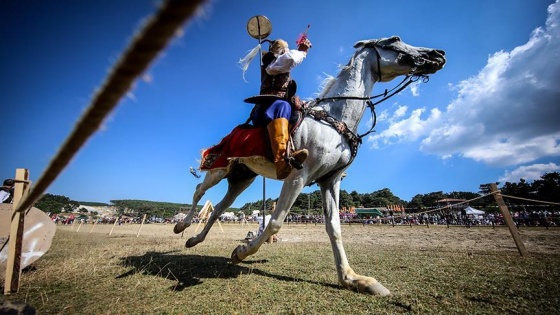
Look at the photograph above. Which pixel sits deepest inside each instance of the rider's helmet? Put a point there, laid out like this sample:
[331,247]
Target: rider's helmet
[278,46]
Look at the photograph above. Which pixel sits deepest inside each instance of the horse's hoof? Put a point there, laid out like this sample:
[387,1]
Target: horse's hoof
[377,289]
[234,258]
[191,242]
[179,227]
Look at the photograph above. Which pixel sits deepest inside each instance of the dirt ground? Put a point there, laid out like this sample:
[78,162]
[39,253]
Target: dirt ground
[420,237]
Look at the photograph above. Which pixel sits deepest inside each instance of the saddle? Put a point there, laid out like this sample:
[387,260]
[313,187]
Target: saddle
[246,141]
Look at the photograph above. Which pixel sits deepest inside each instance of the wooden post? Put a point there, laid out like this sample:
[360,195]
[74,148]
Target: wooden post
[116,221]
[509,221]
[13,270]
[79,226]
[143,219]
[204,213]
[94,224]
[218,219]
[197,226]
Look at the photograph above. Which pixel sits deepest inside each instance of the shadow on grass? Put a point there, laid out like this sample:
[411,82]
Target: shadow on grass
[188,270]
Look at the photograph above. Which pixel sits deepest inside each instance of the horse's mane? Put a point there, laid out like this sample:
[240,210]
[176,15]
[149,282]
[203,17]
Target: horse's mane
[326,85]
[329,81]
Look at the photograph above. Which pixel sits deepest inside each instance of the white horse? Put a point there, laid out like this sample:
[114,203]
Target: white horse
[328,131]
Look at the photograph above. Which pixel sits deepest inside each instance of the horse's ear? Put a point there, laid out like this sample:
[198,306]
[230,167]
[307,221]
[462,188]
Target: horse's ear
[364,43]
[360,44]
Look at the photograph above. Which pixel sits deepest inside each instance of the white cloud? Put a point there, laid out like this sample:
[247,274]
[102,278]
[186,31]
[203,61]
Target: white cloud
[409,129]
[415,88]
[508,114]
[529,173]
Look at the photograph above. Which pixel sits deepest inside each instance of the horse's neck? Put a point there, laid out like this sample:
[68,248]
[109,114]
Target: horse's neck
[356,81]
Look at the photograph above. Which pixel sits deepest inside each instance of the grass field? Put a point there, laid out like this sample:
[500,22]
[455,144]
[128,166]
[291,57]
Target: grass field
[429,270]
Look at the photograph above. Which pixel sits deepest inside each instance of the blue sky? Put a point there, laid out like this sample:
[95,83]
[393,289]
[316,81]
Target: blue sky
[492,114]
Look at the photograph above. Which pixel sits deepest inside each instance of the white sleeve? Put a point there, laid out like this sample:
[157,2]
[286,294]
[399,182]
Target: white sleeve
[3,196]
[286,62]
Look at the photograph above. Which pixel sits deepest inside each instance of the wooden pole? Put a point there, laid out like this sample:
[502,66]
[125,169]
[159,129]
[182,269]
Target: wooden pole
[13,270]
[509,221]
[198,225]
[219,224]
[264,203]
[116,221]
[94,224]
[202,215]
[141,224]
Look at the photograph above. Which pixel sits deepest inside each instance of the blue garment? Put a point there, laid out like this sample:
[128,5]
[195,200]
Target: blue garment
[278,109]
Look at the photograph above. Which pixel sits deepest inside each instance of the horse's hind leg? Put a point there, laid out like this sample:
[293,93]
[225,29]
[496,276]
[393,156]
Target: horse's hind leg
[346,276]
[211,178]
[288,195]
[239,179]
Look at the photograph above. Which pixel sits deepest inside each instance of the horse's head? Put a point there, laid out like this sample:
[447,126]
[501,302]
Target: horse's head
[395,58]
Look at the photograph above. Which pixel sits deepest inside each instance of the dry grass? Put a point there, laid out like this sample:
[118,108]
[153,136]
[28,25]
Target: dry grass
[434,270]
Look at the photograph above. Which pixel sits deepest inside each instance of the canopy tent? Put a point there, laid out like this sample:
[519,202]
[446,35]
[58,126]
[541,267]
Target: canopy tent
[368,211]
[470,210]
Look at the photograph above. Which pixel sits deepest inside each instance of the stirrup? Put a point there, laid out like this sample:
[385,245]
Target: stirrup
[296,159]
[294,163]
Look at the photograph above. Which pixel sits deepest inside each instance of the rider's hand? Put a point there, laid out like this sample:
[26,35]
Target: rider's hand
[305,45]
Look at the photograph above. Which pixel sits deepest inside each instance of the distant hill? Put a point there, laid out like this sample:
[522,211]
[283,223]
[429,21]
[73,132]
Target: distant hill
[93,204]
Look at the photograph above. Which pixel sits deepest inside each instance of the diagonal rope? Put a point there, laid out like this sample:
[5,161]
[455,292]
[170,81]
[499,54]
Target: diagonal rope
[449,206]
[145,45]
[533,200]
[479,197]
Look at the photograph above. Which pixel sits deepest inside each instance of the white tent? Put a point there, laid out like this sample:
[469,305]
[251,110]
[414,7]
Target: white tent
[230,216]
[470,210]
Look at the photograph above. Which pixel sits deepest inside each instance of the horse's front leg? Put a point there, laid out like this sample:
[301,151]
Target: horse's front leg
[212,178]
[235,188]
[288,195]
[346,276]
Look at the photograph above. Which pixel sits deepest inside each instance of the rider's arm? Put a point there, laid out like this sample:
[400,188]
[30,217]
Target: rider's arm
[286,62]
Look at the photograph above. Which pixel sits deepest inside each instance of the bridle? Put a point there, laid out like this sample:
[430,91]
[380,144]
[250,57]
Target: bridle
[355,140]
[406,81]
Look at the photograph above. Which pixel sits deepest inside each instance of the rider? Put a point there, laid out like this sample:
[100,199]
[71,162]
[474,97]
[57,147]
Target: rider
[7,191]
[278,92]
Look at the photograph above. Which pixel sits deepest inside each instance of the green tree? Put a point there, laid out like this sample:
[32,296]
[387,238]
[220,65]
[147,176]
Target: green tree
[356,198]
[150,208]
[385,197]
[548,187]
[521,189]
[56,204]
[429,200]
[346,200]
[308,203]
[368,200]
[417,202]
[93,204]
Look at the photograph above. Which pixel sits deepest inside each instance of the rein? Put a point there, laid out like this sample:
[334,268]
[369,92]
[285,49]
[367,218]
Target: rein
[386,95]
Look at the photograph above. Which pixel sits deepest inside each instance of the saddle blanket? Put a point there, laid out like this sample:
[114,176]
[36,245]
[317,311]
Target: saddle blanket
[243,141]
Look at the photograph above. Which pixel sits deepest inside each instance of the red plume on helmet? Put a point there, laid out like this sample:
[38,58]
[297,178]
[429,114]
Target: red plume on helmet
[303,36]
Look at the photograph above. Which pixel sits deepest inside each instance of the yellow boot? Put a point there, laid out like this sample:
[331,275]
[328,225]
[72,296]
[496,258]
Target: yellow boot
[278,133]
